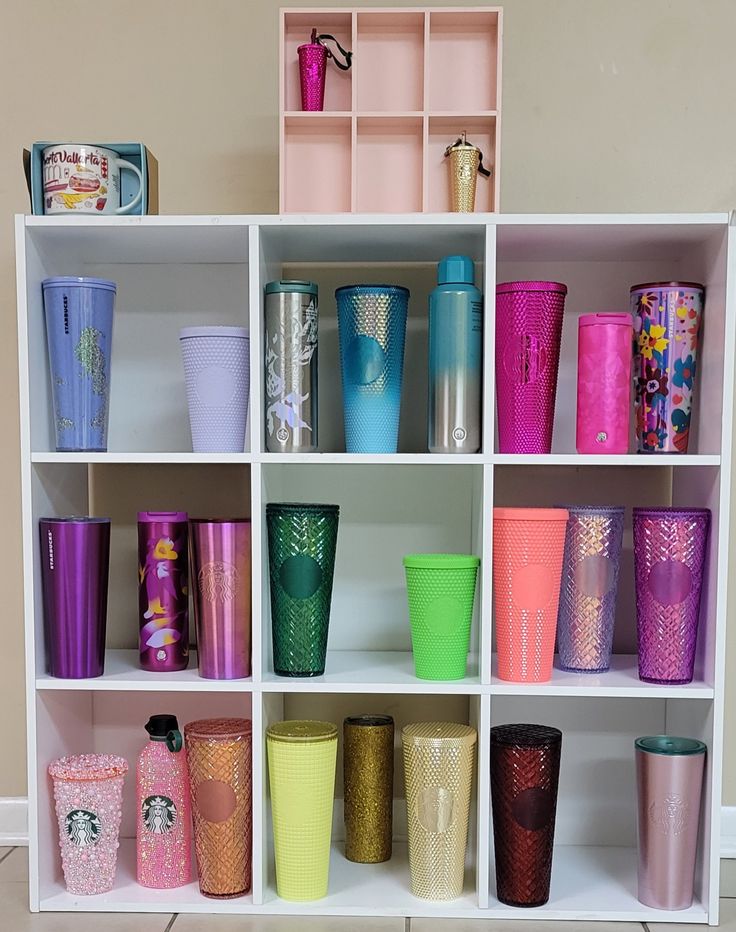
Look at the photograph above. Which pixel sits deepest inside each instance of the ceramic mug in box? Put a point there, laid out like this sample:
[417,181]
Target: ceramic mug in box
[84,179]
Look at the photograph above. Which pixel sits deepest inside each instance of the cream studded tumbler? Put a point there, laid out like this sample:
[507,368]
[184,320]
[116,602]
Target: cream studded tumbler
[438,770]
[301,766]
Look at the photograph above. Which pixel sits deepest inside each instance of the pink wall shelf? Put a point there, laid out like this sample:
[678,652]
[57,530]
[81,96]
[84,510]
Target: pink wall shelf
[420,77]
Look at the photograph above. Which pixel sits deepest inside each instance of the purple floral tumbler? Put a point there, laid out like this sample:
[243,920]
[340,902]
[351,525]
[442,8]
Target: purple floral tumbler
[528,333]
[669,558]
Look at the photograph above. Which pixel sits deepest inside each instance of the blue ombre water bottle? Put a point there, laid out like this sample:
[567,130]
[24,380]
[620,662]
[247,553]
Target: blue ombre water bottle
[455,359]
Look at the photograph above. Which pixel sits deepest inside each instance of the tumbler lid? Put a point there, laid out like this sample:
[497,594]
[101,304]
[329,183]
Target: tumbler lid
[369,721]
[613,319]
[530,514]
[441,561]
[665,511]
[438,734]
[300,732]
[74,519]
[158,726]
[63,281]
[509,287]
[456,270]
[291,286]
[671,286]
[88,767]
[525,736]
[219,729]
[161,517]
[240,333]
[604,511]
[374,289]
[275,507]
[668,744]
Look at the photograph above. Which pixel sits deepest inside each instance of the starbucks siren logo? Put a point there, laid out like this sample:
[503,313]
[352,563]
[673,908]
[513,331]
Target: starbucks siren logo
[159,814]
[83,828]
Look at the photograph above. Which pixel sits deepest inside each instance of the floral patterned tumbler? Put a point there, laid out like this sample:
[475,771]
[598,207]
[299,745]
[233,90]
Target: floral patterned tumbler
[88,791]
[669,559]
[667,319]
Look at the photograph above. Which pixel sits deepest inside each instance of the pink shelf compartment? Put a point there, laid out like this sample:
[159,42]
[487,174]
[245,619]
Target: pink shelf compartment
[388,166]
[390,61]
[443,131]
[297,26]
[463,60]
[316,157]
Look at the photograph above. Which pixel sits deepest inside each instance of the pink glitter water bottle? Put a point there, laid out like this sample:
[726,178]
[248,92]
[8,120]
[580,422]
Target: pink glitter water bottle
[163,826]
[604,383]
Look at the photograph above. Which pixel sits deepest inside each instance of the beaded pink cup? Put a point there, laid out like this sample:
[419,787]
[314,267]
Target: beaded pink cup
[88,790]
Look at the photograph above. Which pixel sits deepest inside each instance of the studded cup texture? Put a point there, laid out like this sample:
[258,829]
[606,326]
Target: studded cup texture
[438,771]
[217,378]
[527,567]
[372,328]
[302,540]
[441,602]
[219,762]
[669,558]
[312,71]
[589,585]
[528,333]
[302,780]
[525,770]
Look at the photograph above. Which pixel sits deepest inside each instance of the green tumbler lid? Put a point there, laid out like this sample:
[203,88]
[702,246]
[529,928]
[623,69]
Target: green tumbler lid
[668,744]
[299,732]
[441,561]
[276,507]
[287,286]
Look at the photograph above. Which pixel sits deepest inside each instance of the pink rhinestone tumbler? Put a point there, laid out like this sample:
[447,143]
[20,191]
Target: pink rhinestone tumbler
[88,790]
[669,558]
[528,334]
[312,69]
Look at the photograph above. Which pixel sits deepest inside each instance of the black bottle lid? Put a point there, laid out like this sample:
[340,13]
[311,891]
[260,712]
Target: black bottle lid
[159,726]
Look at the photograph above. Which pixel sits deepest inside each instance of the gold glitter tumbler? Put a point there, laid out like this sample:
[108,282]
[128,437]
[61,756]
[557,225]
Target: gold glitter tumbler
[466,161]
[219,761]
[438,770]
[368,768]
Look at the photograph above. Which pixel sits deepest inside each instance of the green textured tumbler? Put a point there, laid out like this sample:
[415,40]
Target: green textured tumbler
[301,548]
[441,590]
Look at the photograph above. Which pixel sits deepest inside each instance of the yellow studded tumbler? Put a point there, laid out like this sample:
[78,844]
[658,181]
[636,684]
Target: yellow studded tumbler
[301,765]
[438,770]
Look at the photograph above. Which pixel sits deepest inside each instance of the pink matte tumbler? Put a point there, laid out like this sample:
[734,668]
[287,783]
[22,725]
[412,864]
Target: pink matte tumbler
[528,334]
[88,791]
[669,777]
[528,547]
[604,383]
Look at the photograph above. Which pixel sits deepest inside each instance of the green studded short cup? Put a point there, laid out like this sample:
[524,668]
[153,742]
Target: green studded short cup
[441,590]
[301,549]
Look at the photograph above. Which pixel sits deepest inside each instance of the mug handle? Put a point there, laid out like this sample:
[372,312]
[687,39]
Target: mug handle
[126,208]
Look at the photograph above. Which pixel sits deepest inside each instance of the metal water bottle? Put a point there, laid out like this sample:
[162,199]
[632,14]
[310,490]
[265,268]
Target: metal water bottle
[455,359]
[163,599]
[291,367]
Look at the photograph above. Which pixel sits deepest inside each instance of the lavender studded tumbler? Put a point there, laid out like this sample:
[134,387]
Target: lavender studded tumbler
[669,558]
[589,582]
[528,334]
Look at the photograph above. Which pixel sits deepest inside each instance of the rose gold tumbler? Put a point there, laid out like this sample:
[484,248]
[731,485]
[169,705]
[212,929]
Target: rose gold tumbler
[669,776]
[219,762]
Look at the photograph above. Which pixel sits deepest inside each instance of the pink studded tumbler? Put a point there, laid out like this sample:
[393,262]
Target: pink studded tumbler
[528,334]
[604,383]
[528,547]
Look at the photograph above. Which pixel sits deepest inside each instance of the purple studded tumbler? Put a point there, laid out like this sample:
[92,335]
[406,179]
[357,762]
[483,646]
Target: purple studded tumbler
[75,558]
[669,558]
[528,334]
[312,71]
[588,591]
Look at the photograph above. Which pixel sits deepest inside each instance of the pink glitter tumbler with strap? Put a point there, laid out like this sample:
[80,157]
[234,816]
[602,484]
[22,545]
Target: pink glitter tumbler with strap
[528,334]
[312,70]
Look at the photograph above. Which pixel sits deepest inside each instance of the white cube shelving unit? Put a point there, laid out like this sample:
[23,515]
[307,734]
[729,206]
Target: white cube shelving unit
[177,271]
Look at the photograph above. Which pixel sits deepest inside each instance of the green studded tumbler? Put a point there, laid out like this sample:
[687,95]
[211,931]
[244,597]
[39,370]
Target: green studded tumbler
[301,548]
[441,590]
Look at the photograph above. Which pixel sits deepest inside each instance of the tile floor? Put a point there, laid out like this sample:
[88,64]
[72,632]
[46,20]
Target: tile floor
[14,916]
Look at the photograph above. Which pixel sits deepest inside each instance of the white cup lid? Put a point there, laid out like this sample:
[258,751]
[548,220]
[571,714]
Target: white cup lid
[238,332]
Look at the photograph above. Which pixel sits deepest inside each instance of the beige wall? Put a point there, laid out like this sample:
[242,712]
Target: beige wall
[609,105]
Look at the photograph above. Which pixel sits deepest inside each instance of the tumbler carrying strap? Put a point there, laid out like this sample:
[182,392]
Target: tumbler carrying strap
[348,56]
[462,141]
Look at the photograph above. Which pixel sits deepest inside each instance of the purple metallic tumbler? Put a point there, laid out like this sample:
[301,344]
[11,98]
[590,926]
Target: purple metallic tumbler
[220,558]
[669,777]
[528,334]
[75,559]
[669,558]
[589,583]
[163,591]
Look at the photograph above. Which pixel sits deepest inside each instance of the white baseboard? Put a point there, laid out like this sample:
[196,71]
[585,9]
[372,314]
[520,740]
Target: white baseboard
[13,821]
[14,824]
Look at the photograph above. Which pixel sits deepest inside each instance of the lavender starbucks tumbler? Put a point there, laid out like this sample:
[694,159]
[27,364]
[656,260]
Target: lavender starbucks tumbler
[75,558]
[669,559]
[78,314]
[669,778]
[220,558]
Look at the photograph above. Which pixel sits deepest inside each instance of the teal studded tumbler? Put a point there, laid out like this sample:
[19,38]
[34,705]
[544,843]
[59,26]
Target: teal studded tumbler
[371,320]
[301,549]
